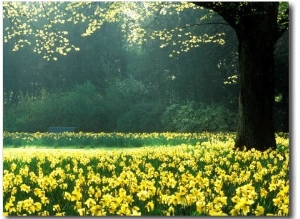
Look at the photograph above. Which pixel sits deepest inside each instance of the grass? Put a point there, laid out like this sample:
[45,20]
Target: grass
[95,140]
[63,147]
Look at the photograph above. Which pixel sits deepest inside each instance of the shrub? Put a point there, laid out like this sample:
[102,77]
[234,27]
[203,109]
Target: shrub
[143,117]
[80,107]
[198,117]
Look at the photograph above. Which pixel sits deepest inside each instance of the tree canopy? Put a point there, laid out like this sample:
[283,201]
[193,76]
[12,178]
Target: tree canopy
[41,25]
[176,27]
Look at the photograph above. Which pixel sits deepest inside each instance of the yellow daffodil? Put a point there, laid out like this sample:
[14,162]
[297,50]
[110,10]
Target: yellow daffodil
[76,195]
[106,199]
[259,210]
[18,179]
[149,206]
[200,206]
[13,166]
[44,200]
[97,194]
[244,205]
[220,202]
[81,211]
[25,188]
[112,207]
[263,192]
[283,210]
[96,210]
[135,213]
[38,206]
[124,210]
[39,192]
[91,191]
[143,195]
[216,213]
[61,214]
[56,208]
[43,213]
[90,202]
[10,207]
[68,196]
[170,211]
[14,190]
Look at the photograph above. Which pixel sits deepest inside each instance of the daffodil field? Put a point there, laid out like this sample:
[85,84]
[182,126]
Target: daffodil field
[202,175]
[20,139]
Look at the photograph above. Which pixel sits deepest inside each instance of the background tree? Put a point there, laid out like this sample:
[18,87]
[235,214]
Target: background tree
[44,26]
[258,26]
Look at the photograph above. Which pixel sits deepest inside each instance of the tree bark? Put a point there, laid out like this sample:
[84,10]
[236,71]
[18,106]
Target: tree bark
[257,32]
[256,92]
[257,37]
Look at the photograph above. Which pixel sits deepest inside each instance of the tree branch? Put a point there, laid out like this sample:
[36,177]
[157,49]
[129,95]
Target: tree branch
[156,16]
[201,24]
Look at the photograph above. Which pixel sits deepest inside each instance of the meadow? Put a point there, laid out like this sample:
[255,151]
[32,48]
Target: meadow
[102,139]
[162,174]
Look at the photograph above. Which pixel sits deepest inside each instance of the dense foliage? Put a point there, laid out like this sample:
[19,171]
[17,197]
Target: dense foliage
[87,110]
[205,178]
[198,117]
[114,83]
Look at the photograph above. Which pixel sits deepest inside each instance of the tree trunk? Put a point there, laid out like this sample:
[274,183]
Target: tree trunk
[257,30]
[256,35]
